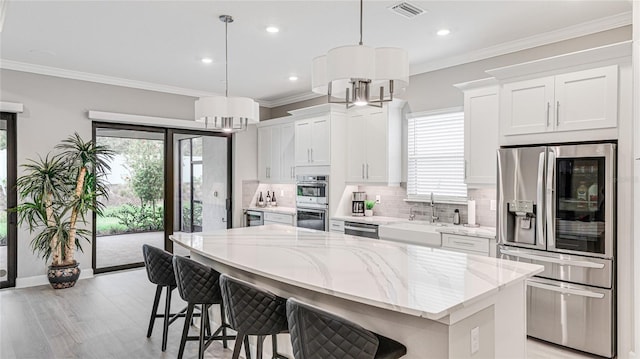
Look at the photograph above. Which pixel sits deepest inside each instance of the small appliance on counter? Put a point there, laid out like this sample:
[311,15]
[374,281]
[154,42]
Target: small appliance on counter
[357,203]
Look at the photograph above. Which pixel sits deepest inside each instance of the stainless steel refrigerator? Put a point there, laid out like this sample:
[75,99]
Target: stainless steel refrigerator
[556,208]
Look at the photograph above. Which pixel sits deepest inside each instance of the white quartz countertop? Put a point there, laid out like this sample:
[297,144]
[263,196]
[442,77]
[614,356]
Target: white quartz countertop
[284,210]
[484,232]
[415,280]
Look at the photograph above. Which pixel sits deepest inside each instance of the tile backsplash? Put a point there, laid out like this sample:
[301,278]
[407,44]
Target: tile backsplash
[393,204]
[285,194]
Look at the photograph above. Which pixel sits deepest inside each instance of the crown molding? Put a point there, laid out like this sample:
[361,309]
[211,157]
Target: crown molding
[14,107]
[570,32]
[290,99]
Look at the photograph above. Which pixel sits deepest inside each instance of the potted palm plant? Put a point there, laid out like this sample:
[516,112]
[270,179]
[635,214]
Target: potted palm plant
[56,194]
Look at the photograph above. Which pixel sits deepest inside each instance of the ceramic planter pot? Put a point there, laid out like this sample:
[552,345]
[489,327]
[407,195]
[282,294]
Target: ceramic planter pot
[63,276]
[368,212]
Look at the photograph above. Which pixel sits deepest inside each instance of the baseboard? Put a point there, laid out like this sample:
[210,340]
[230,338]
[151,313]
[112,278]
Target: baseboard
[43,280]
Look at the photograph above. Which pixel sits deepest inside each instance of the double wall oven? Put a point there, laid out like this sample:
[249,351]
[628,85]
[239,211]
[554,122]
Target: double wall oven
[557,209]
[312,202]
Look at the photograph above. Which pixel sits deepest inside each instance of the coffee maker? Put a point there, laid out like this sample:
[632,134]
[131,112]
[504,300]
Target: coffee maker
[357,203]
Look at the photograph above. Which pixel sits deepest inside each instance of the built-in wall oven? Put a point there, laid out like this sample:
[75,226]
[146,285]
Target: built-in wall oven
[556,208]
[312,202]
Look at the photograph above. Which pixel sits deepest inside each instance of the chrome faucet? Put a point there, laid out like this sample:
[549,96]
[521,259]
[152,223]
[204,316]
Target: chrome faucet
[434,218]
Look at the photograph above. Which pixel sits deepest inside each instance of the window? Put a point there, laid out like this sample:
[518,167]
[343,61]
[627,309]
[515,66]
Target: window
[436,157]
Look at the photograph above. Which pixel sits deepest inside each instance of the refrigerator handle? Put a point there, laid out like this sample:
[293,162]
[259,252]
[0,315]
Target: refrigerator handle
[540,201]
[550,198]
[563,290]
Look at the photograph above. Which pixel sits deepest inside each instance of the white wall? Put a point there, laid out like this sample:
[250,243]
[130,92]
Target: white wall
[245,167]
[636,215]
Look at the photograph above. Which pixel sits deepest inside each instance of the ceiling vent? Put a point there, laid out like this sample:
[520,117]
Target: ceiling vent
[407,10]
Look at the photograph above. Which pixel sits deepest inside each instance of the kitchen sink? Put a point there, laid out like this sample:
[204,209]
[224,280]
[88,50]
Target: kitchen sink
[422,233]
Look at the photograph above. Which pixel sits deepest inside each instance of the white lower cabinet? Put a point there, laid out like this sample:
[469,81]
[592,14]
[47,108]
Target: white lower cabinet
[336,225]
[469,244]
[278,218]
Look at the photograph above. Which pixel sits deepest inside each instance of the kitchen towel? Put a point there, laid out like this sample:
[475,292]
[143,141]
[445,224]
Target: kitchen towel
[471,212]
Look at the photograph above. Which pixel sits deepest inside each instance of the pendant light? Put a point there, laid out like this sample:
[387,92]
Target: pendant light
[347,74]
[224,113]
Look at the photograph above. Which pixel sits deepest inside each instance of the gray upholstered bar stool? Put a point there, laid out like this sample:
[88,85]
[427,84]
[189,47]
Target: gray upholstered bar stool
[198,284]
[159,266]
[253,311]
[318,334]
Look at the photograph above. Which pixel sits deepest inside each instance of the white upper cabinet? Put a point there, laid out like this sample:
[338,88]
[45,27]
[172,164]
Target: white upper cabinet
[374,145]
[313,141]
[481,122]
[582,100]
[275,153]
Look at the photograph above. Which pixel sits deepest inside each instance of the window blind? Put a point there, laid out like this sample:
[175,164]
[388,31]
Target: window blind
[436,157]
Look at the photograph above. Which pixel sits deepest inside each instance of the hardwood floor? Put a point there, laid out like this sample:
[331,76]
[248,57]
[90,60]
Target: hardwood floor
[107,317]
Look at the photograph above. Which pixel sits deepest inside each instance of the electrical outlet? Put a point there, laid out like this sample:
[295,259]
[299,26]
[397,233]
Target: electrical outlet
[475,340]
[492,205]
[377,198]
[281,193]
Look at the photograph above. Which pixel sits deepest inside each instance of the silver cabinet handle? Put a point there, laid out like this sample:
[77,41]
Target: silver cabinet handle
[469,244]
[563,290]
[564,262]
[308,155]
[312,155]
[367,171]
[465,169]
[557,113]
[550,198]
[363,171]
[548,110]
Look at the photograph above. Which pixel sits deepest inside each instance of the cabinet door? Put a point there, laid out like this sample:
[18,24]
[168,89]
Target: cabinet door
[321,141]
[481,135]
[287,147]
[303,142]
[355,148]
[528,106]
[376,154]
[275,167]
[587,99]
[264,153]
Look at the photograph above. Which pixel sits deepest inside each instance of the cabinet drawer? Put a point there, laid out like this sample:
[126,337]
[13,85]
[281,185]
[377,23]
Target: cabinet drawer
[465,243]
[278,218]
[336,226]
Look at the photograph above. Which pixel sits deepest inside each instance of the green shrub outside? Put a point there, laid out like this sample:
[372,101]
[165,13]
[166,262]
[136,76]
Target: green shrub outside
[129,219]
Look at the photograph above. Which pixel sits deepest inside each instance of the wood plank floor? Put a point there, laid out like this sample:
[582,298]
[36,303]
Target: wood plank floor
[107,317]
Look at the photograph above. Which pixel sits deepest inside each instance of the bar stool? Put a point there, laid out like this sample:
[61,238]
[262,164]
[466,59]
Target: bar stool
[198,285]
[253,311]
[318,334]
[159,266]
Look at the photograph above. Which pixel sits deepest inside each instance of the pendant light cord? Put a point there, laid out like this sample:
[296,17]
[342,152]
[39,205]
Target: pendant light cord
[226,59]
[361,22]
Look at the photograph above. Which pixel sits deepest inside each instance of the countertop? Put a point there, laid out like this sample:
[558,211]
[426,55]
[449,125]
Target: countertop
[284,210]
[420,281]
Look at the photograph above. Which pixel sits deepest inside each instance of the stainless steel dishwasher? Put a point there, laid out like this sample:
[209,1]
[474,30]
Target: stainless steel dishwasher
[361,229]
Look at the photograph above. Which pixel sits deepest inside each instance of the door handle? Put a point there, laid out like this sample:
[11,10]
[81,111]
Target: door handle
[312,155]
[465,169]
[309,155]
[548,110]
[540,199]
[557,113]
[367,171]
[564,290]
[572,263]
[363,171]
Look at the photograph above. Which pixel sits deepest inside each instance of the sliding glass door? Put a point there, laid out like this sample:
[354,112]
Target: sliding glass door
[8,199]
[161,181]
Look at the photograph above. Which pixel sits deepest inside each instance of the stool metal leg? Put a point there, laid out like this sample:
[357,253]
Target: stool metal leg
[203,320]
[259,348]
[224,324]
[274,348]
[185,330]
[167,314]
[247,349]
[238,345]
[156,301]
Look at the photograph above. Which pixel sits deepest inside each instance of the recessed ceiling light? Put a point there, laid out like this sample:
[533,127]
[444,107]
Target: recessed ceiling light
[293,78]
[206,60]
[443,32]
[272,29]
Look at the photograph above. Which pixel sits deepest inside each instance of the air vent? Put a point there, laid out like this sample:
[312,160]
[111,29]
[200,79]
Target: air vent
[407,10]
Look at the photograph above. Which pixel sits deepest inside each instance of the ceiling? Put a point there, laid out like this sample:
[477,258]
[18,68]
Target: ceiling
[159,44]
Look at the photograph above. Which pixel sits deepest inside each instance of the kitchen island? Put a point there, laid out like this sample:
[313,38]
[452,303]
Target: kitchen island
[439,304]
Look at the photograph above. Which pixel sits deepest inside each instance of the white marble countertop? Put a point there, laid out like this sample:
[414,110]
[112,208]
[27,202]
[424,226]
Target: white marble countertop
[483,232]
[283,210]
[416,280]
